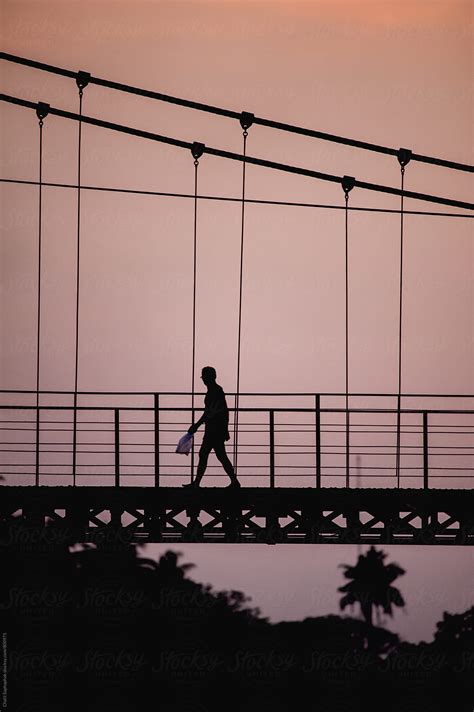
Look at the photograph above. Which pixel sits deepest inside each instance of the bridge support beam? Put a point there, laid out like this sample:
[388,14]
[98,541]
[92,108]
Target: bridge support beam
[244,516]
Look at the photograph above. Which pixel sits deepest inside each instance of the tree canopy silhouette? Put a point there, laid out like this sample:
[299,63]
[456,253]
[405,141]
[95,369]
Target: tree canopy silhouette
[99,626]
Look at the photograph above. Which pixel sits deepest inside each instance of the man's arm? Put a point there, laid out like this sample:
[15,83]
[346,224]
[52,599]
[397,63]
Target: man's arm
[215,408]
[198,424]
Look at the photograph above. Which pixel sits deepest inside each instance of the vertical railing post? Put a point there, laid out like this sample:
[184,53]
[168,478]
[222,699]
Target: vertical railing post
[425,450]
[272,448]
[37,477]
[117,447]
[236,430]
[193,411]
[318,439]
[347,449]
[398,458]
[74,439]
[157,438]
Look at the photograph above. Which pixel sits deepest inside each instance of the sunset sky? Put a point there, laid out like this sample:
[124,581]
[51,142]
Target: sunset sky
[392,73]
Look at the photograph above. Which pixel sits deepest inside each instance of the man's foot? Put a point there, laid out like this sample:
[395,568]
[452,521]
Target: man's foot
[233,483]
[193,484]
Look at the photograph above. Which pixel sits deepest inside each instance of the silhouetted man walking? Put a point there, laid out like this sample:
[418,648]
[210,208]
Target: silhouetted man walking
[216,419]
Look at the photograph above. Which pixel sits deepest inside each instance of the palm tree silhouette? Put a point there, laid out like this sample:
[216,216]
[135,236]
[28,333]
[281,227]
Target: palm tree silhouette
[370,585]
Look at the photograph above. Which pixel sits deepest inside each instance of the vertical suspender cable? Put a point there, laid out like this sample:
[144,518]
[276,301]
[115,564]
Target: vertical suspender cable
[403,155]
[42,111]
[82,81]
[348,183]
[246,121]
[197,150]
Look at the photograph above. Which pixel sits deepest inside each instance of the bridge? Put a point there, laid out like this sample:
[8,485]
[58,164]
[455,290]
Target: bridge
[315,473]
[392,468]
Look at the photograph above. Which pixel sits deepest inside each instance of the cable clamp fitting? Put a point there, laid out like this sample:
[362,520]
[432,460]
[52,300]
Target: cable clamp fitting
[197,149]
[246,120]
[347,182]
[404,156]
[82,80]
[42,110]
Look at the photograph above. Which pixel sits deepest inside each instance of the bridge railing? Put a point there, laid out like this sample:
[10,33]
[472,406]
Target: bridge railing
[314,442]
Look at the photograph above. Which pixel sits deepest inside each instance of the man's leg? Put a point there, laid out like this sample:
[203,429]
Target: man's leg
[205,449]
[219,449]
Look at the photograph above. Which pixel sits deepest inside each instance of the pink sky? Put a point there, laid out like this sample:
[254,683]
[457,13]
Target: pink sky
[397,74]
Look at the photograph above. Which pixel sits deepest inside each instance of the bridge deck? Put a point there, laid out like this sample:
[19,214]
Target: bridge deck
[249,515]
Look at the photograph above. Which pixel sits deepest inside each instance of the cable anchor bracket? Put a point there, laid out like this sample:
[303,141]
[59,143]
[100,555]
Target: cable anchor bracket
[246,120]
[404,156]
[347,183]
[42,110]
[82,80]
[197,149]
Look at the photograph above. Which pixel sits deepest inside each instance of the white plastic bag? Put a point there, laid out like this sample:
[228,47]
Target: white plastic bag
[185,444]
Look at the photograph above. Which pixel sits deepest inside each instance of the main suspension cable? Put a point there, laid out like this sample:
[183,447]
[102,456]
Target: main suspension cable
[269,123]
[297,170]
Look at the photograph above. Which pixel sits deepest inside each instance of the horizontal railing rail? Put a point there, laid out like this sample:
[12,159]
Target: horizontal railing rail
[329,394]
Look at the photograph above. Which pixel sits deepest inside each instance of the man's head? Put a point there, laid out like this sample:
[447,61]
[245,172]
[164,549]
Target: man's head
[208,375]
